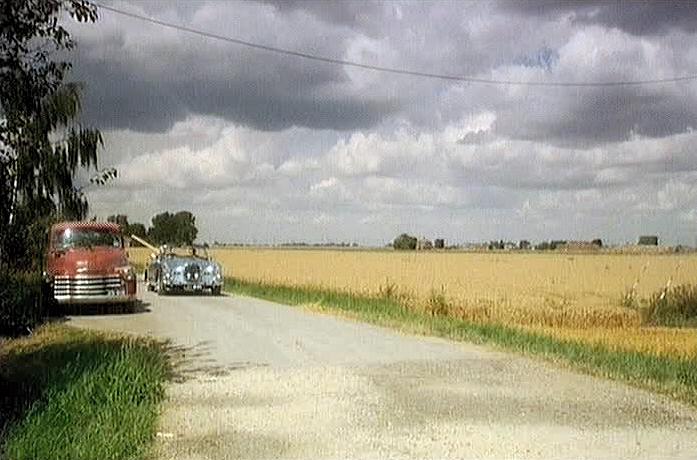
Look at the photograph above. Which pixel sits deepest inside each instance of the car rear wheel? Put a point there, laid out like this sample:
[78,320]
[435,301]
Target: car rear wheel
[215,290]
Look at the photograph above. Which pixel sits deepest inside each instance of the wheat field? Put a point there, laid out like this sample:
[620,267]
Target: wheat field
[567,295]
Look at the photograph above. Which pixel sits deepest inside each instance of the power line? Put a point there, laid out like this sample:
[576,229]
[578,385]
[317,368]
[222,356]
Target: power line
[393,70]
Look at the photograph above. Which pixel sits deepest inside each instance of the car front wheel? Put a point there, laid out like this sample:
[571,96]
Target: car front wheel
[161,289]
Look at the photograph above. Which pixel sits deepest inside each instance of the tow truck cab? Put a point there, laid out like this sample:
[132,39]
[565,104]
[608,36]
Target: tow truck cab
[87,263]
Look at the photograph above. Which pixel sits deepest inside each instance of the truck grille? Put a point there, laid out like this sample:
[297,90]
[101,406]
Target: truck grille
[86,286]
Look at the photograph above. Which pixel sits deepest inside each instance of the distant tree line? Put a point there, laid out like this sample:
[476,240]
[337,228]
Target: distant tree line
[176,229]
[406,242]
[330,244]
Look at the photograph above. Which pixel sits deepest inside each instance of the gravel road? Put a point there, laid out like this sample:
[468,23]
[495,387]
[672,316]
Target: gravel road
[262,380]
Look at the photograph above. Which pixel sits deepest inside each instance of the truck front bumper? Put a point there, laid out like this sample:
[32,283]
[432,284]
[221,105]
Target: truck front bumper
[83,289]
[96,299]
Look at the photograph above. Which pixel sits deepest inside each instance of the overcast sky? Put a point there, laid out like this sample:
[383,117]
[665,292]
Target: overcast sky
[269,148]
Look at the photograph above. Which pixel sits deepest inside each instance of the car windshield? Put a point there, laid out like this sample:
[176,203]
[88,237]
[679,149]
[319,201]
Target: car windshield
[86,238]
[190,251]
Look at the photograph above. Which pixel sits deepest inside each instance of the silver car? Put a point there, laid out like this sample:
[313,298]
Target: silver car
[193,271]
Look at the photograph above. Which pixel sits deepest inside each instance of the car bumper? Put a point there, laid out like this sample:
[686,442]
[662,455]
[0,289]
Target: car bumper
[96,299]
[193,287]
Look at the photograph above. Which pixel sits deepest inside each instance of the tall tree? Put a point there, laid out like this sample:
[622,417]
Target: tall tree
[128,228]
[137,229]
[42,145]
[178,229]
[185,224]
[405,242]
[120,219]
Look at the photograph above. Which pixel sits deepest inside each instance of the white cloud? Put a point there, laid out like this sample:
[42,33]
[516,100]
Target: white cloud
[239,180]
[324,184]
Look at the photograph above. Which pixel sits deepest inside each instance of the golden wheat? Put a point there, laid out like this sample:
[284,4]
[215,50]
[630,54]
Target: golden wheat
[562,294]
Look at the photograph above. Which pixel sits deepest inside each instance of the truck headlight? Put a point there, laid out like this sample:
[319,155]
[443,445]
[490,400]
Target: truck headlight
[128,273]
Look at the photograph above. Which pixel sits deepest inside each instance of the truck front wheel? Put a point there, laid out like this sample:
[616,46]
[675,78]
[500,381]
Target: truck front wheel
[49,305]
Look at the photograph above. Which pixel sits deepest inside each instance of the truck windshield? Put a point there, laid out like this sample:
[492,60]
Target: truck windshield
[85,238]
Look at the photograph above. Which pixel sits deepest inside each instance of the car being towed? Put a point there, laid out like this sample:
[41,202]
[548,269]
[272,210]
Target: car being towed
[172,271]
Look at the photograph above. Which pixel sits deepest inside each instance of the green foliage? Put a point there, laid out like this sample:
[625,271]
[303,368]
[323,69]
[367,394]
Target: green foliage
[72,394]
[129,229]
[22,302]
[178,229]
[119,219]
[550,245]
[26,237]
[136,229]
[437,303]
[41,143]
[103,176]
[405,242]
[673,307]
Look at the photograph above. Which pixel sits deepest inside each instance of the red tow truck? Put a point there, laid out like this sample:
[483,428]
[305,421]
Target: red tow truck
[87,263]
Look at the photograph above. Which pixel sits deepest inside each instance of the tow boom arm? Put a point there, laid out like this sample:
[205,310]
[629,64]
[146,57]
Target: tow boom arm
[145,243]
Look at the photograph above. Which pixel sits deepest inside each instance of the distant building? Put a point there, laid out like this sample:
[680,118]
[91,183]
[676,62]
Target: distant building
[648,240]
[424,244]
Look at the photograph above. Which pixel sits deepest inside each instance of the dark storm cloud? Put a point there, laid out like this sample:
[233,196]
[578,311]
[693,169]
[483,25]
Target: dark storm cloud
[162,77]
[143,77]
[116,99]
[599,116]
[366,15]
[641,17]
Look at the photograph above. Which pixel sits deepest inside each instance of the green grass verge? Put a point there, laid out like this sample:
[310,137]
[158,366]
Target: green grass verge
[73,394]
[674,377]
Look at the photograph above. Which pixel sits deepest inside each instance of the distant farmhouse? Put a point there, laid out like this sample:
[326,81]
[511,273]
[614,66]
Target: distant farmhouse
[648,240]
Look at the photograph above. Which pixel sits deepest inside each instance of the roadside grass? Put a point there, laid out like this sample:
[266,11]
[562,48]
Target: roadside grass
[67,393]
[676,306]
[673,376]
